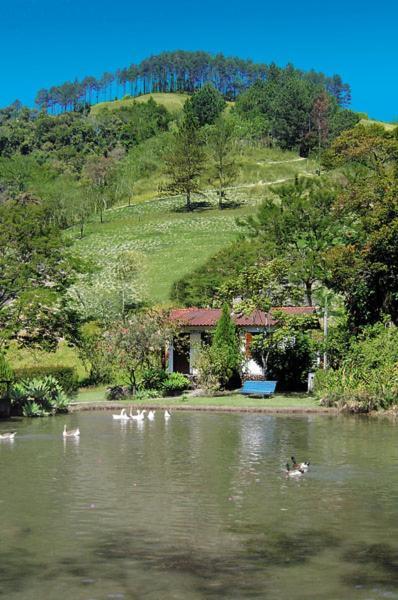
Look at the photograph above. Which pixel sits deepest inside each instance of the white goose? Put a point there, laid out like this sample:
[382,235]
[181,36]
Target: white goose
[139,416]
[151,415]
[8,435]
[167,415]
[72,433]
[123,416]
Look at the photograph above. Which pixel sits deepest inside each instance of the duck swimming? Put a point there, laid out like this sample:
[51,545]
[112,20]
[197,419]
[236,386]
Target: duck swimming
[123,416]
[8,435]
[293,472]
[304,466]
[139,416]
[72,433]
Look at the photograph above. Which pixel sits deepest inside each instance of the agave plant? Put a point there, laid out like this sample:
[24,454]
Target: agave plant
[61,402]
[32,409]
[18,394]
[45,394]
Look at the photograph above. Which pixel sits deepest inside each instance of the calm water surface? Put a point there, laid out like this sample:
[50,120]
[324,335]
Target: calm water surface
[199,508]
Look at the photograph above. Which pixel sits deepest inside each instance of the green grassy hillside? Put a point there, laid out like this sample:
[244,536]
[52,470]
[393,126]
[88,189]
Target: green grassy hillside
[387,126]
[173,102]
[171,241]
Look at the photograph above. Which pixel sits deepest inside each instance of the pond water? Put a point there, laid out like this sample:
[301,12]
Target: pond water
[199,507]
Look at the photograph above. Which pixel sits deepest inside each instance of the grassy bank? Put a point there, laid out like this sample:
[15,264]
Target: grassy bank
[91,398]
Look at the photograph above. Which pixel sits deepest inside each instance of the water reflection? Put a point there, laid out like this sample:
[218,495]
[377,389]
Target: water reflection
[199,507]
[71,442]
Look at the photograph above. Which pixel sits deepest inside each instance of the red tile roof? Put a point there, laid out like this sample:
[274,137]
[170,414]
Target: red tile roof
[208,317]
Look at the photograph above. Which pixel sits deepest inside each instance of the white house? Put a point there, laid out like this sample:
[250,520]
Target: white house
[197,324]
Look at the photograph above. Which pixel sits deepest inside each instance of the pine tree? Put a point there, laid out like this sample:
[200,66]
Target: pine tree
[224,169]
[226,341]
[184,163]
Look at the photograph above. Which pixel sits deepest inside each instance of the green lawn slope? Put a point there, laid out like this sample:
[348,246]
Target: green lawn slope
[173,102]
[387,126]
[173,242]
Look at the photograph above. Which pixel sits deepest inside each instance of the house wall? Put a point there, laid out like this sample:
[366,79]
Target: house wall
[251,367]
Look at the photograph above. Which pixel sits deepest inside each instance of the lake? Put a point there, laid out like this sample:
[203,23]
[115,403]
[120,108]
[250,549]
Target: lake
[199,507]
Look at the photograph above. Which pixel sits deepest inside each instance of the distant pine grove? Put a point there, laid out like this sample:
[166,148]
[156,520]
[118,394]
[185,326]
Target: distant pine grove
[180,71]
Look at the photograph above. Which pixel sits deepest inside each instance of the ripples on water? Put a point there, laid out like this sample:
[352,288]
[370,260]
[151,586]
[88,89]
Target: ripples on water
[199,508]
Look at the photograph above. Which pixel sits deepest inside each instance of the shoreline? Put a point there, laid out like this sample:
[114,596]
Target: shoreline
[293,410]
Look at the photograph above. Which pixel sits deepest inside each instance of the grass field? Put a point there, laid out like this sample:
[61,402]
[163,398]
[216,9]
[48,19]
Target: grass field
[173,102]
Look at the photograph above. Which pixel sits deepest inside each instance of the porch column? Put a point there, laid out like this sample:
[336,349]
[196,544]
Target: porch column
[194,346]
[170,361]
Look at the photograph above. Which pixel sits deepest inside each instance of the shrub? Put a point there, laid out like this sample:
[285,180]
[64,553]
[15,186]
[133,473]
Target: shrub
[175,383]
[38,397]
[153,379]
[94,354]
[143,395]
[65,376]
[32,409]
[368,376]
[219,365]
[118,392]
[6,374]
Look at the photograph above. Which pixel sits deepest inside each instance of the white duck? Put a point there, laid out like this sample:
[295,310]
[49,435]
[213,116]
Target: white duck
[8,435]
[151,415]
[167,415]
[72,433]
[123,416]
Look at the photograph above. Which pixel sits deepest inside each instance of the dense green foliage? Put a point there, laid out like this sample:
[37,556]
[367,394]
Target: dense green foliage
[295,112]
[287,351]
[367,378]
[69,137]
[35,274]
[199,287]
[363,267]
[205,106]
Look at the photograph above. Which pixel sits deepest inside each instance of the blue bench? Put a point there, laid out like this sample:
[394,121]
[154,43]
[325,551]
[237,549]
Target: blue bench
[258,388]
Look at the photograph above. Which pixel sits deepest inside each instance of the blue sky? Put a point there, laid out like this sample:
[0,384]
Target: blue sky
[44,43]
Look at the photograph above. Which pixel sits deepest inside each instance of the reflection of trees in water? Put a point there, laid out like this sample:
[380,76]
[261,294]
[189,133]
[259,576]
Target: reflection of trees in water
[135,561]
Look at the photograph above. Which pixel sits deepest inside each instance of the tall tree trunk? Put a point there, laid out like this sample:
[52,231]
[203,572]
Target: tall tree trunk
[308,292]
[189,205]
